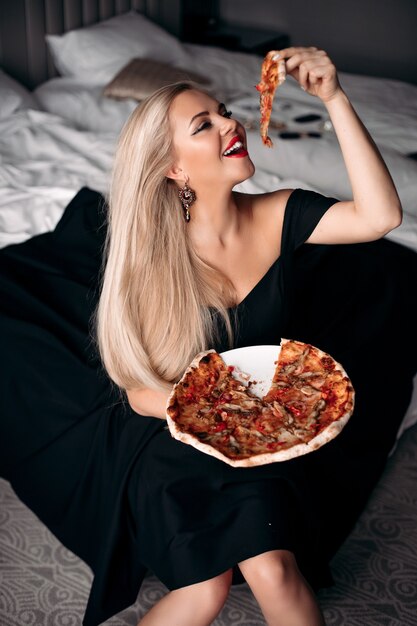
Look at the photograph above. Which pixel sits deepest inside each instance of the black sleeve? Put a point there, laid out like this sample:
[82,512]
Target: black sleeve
[303,212]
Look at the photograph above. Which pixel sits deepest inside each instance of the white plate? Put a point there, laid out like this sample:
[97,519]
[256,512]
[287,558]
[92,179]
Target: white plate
[257,361]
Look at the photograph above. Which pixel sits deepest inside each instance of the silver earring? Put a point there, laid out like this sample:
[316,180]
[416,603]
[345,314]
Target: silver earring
[187,197]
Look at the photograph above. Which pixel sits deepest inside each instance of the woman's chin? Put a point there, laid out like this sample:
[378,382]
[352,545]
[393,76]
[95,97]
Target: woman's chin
[249,174]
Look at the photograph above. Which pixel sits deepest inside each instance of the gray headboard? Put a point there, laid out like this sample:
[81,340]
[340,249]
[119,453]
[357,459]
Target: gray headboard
[24,23]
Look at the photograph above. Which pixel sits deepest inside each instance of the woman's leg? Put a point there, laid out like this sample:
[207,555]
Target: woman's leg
[194,605]
[282,592]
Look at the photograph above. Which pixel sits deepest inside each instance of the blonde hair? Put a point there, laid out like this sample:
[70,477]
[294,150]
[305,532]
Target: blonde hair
[160,304]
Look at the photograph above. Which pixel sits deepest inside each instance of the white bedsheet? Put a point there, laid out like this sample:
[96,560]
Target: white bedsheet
[43,163]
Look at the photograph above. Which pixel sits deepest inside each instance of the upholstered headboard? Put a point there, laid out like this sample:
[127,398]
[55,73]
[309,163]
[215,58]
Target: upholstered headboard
[24,23]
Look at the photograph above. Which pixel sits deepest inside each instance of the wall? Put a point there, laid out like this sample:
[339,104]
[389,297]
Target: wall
[376,37]
[23,24]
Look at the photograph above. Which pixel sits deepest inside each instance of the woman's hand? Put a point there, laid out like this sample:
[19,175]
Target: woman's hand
[148,402]
[313,69]
[376,208]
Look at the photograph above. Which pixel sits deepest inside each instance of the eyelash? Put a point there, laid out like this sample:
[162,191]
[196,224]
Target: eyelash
[205,125]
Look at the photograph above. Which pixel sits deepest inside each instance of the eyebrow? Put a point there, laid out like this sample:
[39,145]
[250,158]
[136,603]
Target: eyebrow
[221,106]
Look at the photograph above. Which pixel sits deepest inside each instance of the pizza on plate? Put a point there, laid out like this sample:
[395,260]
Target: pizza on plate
[213,408]
[273,74]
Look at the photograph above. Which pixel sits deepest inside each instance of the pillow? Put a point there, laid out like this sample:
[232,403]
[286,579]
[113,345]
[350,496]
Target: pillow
[83,104]
[13,96]
[141,77]
[98,52]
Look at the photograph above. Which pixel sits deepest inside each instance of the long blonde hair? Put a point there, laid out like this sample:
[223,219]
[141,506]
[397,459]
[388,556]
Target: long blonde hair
[160,304]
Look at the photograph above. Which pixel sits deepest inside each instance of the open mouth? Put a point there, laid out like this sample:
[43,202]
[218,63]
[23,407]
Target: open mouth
[236,148]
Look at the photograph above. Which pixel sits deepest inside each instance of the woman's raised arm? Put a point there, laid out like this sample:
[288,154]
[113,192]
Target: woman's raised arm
[376,208]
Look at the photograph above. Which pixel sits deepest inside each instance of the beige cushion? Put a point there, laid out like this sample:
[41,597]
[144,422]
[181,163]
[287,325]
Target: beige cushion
[141,77]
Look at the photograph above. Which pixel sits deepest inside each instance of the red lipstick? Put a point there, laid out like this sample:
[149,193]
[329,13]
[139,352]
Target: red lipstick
[236,148]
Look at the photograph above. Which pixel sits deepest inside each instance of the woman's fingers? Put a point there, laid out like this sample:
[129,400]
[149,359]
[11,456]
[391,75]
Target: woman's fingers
[288,53]
[312,68]
[296,59]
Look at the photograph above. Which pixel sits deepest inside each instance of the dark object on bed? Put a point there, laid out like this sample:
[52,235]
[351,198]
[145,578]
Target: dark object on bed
[235,37]
[293,134]
[309,117]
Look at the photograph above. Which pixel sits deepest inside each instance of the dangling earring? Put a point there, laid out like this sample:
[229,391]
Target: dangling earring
[187,197]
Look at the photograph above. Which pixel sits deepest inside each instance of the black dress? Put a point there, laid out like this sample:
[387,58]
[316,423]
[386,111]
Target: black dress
[117,489]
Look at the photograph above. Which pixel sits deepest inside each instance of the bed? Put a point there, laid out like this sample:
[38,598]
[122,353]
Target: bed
[58,133]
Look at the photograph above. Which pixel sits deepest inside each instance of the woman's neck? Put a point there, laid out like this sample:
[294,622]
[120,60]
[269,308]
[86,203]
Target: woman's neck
[215,219]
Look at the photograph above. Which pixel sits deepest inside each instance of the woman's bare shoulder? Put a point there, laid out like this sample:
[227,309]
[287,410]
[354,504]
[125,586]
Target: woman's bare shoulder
[265,207]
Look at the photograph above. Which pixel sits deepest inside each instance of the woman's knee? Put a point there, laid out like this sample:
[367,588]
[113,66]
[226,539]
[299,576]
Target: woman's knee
[210,594]
[278,567]
[281,590]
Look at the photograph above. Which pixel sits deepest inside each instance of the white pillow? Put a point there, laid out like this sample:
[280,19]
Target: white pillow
[13,96]
[83,104]
[98,52]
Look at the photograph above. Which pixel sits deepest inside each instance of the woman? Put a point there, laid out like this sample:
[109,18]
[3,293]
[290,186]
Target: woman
[225,270]
[165,274]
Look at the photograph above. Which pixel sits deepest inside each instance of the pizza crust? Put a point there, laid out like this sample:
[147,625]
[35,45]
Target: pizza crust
[327,434]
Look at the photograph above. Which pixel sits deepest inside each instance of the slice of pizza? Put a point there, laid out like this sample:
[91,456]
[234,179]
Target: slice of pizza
[207,405]
[273,74]
[314,389]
